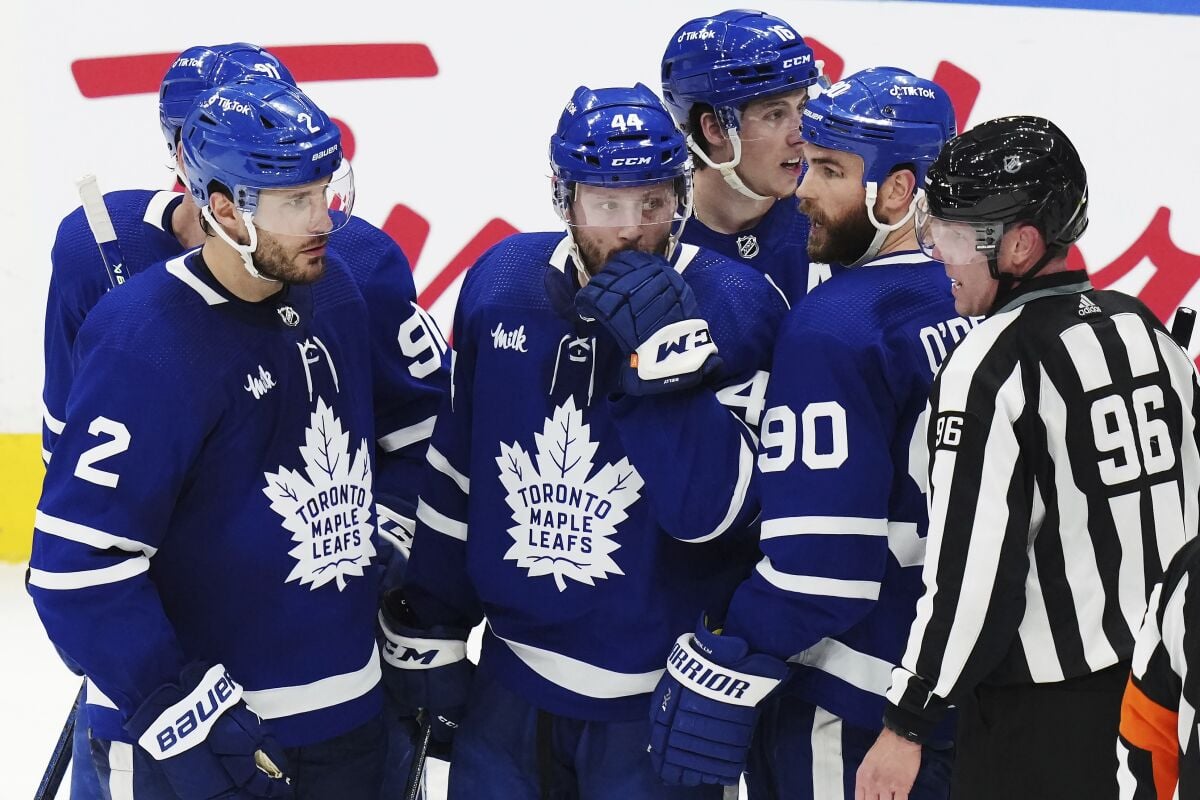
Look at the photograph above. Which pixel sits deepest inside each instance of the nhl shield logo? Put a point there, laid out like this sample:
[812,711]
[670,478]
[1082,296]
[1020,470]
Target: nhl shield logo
[1012,163]
[747,245]
[289,315]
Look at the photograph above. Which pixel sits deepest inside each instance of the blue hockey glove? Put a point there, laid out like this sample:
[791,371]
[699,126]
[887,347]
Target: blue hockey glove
[705,707]
[426,668]
[651,312]
[207,742]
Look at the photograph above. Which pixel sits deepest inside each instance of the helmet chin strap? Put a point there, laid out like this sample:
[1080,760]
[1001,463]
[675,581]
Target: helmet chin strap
[728,169]
[882,229]
[246,251]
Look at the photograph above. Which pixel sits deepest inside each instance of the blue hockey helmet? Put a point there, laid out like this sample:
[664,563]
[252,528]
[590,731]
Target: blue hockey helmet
[891,119]
[617,137]
[727,60]
[257,135]
[888,116]
[620,138]
[198,70]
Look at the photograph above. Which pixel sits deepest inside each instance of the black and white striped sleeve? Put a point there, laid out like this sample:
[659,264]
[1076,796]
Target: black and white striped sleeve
[980,513]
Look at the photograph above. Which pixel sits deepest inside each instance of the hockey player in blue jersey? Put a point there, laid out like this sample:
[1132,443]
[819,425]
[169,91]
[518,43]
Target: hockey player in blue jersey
[591,475]
[203,542]
[736,83]
[409,371]
[843,516]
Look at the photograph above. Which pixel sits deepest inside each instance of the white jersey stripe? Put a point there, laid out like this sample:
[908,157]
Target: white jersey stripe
[1082,573]
[178,268]
[94,697]
[958,373]
[404,437]
[91,577]
[581,677]
[443,465]
[1034,632]
[991,519]
[53,424]
[285,701]
[1131,572]
[821,587]
[1183,376]
[1087,356]
[101,540]
[157,206]
[906,544]
[440,522]
[865,671]
[803,526]
[1136,338]
[120,771]
[828,762]
[738,500]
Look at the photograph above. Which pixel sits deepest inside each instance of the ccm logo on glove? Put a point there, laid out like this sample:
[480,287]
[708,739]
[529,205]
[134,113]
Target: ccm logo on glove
[674,350]
[187,723]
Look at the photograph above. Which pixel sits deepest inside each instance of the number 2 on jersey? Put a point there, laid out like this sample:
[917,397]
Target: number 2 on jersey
[119,443]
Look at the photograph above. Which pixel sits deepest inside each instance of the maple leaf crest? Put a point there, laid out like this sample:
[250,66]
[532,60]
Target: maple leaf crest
[327,507]
[565,516]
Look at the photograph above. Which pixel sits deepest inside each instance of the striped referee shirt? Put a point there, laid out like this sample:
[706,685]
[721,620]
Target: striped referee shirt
[1064,473]
[1159,750]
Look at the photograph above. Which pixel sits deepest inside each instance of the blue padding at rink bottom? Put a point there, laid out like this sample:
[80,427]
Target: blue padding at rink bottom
[1140,6]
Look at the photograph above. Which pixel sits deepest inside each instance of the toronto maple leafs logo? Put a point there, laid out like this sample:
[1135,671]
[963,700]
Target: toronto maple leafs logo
[565,516]
[327,508]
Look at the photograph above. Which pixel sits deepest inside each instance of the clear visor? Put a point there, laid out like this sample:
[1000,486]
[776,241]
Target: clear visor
[770,120]
[953,242]
[311,209]
[661,203]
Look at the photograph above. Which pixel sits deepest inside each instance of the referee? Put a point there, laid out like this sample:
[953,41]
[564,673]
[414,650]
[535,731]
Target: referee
[1064,473]
[1159,749]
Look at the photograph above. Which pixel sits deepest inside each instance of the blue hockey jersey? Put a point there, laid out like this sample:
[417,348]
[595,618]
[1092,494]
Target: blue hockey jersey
[590,527]
[409,353]
[842,462]
[409,370]
[777,247]
[211,498]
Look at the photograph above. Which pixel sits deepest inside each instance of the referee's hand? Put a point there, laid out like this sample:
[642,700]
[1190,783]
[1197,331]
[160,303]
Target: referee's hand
[889,769]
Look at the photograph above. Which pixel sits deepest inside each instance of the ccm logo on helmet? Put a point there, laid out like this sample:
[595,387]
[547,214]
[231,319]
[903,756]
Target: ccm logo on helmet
[797,61]
[705,676]
[631,162]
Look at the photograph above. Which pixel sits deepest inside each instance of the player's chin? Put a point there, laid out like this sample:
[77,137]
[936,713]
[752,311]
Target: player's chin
[308,268]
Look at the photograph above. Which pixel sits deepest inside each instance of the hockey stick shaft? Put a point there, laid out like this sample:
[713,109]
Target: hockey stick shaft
[60,758]
[102,228]
[412,789]
[1181,331]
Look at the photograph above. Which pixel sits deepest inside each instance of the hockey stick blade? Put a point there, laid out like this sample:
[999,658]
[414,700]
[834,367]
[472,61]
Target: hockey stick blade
[412,789]
[102,228]
[60,758]
[1181,331]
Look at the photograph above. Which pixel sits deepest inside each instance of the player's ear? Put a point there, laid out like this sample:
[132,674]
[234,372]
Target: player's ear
[895,195]
[712,130]
[224,211]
